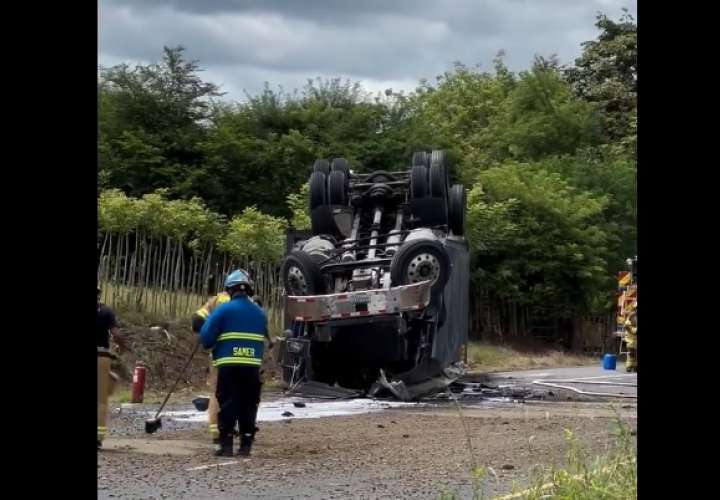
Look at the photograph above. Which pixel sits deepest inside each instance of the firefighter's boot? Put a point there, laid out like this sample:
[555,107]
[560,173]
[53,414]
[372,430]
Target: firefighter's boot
[226,447]
[631,362]
[246,441]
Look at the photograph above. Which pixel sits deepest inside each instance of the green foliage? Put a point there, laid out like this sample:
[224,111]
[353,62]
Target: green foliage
[298,204]
[250,234]
[157,216]
[255,235]
[273,138]
[606,75]
[606,173]
[150,122]
[545,246]
[116,212]
[485,118]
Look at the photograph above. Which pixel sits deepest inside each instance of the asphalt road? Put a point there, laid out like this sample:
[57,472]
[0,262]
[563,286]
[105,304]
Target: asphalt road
[593,379]
[371,449]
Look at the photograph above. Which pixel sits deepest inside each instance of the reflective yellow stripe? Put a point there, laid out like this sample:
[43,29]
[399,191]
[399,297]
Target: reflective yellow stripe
[241,336]
[102,428]
[203,313]
[237,361]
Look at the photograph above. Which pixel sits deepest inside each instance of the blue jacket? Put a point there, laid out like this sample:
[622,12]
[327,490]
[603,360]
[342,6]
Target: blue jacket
[236,332]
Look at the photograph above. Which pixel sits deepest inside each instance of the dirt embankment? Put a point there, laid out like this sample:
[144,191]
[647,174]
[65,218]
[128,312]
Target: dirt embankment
[164,348]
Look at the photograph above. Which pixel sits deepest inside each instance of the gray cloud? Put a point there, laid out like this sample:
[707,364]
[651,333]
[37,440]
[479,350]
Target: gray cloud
[382,43]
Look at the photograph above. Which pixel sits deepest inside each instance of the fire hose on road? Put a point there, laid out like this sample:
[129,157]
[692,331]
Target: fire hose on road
[551,383]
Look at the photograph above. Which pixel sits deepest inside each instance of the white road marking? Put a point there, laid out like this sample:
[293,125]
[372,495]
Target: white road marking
[203,467]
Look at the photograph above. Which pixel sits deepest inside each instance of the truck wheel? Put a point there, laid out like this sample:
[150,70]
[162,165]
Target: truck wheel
[439,157]
[341,165]
[418,182]
[456,209]
[322,166]
[420,260]
[420,158]
[301,274]
[336,188]
[318,190]
[438,181]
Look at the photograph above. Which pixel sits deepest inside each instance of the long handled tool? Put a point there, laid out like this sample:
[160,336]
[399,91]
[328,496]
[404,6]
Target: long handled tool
[155,423]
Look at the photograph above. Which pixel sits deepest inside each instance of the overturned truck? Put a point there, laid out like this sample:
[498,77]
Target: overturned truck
[377,291]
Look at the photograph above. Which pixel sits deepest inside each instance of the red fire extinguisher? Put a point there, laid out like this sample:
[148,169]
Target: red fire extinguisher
[138,385]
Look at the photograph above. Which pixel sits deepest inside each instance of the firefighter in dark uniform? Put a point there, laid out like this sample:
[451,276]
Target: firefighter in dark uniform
[236,332]
[106,327]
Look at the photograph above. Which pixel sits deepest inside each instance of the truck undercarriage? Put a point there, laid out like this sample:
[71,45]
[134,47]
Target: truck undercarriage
[377,293]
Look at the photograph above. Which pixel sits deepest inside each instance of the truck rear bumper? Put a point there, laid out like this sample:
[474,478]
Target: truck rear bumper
[393,300]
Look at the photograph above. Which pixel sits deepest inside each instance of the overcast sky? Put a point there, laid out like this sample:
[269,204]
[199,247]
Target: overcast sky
[383,43]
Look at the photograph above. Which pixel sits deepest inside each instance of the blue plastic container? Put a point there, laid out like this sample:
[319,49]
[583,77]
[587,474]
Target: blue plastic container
[609,361]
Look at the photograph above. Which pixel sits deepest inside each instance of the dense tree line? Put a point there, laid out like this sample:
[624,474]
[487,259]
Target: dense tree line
[548,156]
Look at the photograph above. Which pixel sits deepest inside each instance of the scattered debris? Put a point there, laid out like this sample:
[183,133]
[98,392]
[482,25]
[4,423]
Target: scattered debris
[201,403]
[287,414]
[315,389]
[507,467]
[413,392]
[298,404]
[380,426]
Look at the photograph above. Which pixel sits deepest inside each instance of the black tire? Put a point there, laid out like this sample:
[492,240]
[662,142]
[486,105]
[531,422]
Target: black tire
[336,188]
[438,181]
[322,165]
[457,201]
[318,190]
[342,165]
[420,158]
[439,157]
[301,274]
[418,182]
[418,257]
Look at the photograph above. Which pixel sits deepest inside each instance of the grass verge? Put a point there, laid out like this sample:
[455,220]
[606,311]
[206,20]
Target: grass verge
[488,357]
[612,476]
[584,476]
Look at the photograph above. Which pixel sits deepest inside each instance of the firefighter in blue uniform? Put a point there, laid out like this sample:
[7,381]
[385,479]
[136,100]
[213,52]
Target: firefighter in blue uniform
[236,332]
